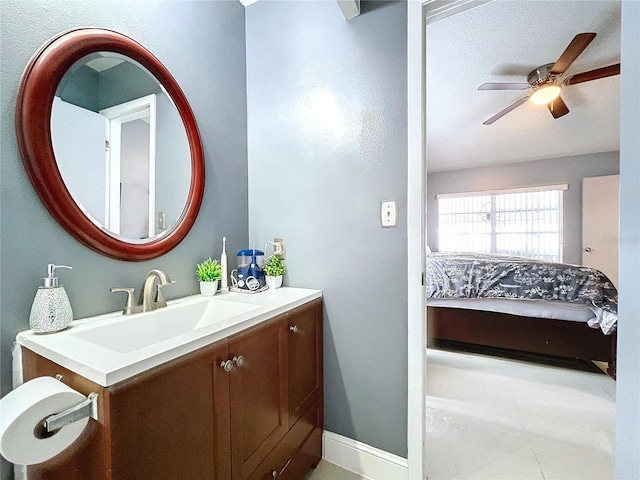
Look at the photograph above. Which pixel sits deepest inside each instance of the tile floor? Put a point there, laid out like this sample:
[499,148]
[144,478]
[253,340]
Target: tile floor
[329,471]
[493,418]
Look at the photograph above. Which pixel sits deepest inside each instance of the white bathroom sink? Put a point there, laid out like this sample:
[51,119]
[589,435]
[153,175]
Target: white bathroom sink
[137,331]
[112,347]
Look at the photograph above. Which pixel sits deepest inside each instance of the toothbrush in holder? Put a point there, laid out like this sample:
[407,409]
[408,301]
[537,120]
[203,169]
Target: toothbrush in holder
[224,287]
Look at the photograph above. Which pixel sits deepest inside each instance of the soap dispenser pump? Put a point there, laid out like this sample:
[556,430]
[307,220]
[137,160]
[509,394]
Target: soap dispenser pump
[51,310]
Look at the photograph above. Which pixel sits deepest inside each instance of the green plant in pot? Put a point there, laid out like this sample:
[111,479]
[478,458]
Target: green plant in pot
[274,269]
[209,274]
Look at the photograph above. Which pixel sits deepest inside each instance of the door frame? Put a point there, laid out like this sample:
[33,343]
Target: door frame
[419,13]
[137,109]
[416,191]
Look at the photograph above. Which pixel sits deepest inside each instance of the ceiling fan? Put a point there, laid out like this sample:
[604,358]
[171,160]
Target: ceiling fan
[546,84]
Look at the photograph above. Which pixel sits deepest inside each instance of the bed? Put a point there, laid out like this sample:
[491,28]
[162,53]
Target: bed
[522,304]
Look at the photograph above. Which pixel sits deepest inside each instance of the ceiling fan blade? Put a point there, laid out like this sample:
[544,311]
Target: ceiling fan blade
[593,74]
[573,51]
[504,86]
[558,108]
[503,112]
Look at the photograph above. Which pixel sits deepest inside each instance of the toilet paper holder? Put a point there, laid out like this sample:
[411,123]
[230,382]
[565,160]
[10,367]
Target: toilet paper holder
[86,408]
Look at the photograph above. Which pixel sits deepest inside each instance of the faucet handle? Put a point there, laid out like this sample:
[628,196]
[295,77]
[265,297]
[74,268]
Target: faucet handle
[160,301]
[131,306]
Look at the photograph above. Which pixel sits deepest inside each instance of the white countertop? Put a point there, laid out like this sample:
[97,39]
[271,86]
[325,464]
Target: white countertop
[106,366]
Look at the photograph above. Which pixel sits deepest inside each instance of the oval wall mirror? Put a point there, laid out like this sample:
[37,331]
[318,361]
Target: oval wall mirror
[110,144]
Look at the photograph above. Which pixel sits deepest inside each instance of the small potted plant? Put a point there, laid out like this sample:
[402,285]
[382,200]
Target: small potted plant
[209,273]
[274,269]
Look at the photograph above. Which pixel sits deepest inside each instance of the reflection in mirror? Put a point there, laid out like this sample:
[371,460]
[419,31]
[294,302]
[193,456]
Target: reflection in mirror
[121,147]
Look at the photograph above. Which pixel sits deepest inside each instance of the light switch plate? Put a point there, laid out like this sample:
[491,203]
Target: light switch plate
[160,221]
[388,213]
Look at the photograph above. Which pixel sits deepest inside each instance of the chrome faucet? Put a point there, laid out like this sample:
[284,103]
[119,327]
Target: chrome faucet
[147,300]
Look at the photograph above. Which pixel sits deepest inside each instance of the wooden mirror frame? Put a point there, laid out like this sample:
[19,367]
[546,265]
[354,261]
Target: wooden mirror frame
[33,128]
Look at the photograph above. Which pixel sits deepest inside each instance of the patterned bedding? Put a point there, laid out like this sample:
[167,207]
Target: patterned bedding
[477,275]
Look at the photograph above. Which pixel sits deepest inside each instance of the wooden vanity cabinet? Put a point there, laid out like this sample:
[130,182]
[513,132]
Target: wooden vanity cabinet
[276,396]
[172,422]
[301,447]
[86,458]
[192,419]
[169,422]
[304,329]
[258,395]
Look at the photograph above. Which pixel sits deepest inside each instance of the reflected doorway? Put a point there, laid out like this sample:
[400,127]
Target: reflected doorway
[131,168]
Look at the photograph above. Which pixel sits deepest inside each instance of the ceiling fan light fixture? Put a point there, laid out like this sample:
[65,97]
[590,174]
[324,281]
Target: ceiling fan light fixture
[545,94]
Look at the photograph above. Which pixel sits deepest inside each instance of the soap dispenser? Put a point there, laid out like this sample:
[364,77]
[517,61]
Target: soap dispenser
[51,310]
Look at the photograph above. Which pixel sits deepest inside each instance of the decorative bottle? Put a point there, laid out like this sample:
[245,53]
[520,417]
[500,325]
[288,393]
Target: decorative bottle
[51,310]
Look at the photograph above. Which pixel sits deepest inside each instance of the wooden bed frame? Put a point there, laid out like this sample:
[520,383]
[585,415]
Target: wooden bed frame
[535,335]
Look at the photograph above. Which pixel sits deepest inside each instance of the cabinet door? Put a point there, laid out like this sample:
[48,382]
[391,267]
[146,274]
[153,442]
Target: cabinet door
[164,424]
[258,395]
[305,358]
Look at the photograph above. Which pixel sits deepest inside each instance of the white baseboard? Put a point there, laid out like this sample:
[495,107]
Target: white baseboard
[362,459]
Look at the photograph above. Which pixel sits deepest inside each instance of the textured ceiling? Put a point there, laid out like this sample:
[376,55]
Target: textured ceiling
[502,41]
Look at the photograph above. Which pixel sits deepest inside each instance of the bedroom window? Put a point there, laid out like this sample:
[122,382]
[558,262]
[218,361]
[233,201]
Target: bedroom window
[524,222]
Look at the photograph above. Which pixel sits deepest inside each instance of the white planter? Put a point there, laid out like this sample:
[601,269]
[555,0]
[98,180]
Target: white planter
[274,282]
[209,288]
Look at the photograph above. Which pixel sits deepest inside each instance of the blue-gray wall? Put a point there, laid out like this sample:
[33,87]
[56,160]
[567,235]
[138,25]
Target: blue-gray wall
[327,141]
[570,170]
[95,91]
[172,148]
[203,45]
[81,88]
[139,83]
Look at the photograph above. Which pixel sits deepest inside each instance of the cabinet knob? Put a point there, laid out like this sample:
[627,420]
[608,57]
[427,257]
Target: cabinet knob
[294,328]
[588,249]
[274,474]
[239,360]
[226,366]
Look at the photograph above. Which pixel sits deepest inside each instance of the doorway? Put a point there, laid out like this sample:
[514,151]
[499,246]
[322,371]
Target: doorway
[416,217]
[131,168]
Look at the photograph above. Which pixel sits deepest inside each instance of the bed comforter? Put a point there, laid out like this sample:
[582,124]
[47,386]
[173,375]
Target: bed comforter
[477,275]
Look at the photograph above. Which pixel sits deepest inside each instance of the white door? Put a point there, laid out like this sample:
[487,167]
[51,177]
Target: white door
[600,220]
